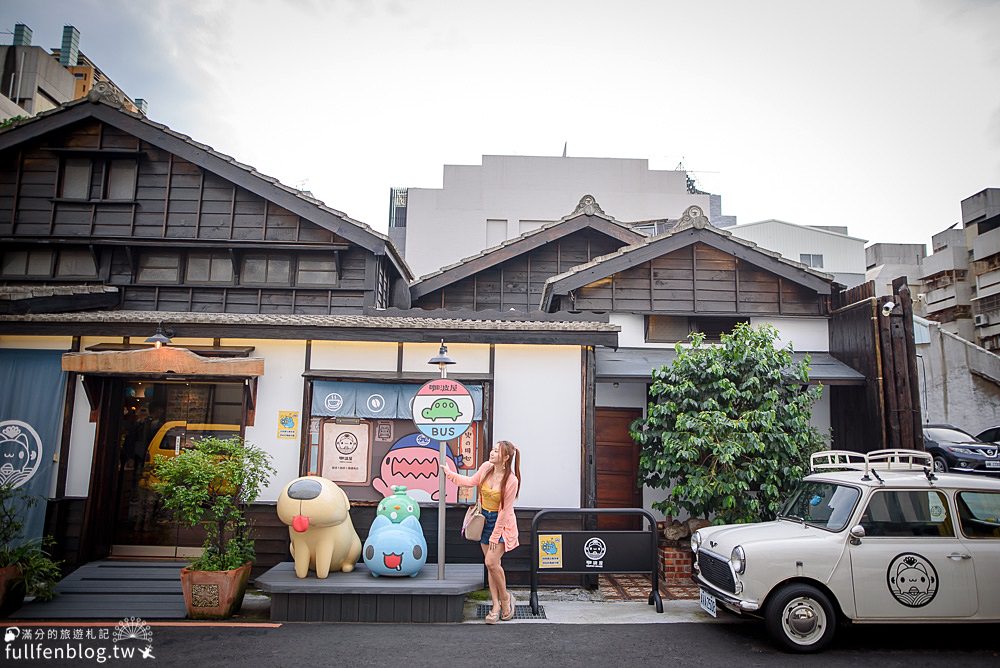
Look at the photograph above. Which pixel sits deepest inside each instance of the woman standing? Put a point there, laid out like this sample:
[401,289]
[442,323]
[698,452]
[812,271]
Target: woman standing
[497,490]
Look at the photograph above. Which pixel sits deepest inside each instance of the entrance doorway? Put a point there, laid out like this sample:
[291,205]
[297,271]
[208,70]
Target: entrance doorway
[617,467]
[160,419]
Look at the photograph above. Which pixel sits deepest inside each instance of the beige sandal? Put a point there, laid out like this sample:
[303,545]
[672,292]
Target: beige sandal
[493,616]
[511,602]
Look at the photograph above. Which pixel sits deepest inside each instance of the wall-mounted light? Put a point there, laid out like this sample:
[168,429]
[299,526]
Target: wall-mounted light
[442,360]
[159,338]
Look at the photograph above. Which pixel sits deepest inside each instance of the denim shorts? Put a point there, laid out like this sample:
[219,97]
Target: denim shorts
[491,522]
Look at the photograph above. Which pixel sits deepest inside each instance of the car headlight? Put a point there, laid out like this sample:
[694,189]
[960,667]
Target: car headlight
[738,559]
[695,542]
[958,450]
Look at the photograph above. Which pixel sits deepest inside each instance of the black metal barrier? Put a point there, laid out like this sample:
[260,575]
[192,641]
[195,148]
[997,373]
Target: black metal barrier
[595,552]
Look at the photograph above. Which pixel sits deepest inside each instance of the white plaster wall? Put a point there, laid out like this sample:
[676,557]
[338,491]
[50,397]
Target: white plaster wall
[444,225]
[279,389]
[537,406]
[841,254]
[621,395]
[805,334]
[633,334]
[469,357]
[354,355]
[821,415]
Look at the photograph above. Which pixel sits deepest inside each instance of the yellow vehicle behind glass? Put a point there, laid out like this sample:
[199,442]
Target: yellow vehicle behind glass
[177,435]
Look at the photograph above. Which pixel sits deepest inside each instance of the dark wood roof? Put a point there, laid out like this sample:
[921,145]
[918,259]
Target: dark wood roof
[317,327]
[587,214]
[693,228]
[210,160]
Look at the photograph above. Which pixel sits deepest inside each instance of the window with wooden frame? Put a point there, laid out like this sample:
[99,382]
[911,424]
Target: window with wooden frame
[261,269]
[315,270]
[27,263]
[209,267]
[76,263]
[117,179]
[74,179]
[159,268]
[671,329]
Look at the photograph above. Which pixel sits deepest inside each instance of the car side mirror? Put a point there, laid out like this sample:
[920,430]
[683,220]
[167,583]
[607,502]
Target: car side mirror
[857,533]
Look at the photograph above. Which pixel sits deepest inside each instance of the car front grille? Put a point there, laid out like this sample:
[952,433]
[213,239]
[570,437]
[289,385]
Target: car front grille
[716,571]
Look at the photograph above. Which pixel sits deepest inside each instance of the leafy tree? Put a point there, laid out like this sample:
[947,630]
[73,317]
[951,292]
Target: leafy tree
[727,428]
[213,484]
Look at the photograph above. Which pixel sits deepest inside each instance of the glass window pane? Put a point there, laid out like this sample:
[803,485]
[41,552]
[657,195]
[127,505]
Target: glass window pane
[40,263]
[121,179]
[278,270]
[76,262]
[222,269]
[254,269]
[76,179]
[979,513]
[15,263]
[162,268]
[317,271]
[198,267]
[904,514]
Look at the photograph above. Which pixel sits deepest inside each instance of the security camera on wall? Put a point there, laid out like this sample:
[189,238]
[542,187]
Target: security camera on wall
[887,308]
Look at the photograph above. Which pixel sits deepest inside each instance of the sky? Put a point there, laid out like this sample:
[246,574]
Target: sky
[881,116]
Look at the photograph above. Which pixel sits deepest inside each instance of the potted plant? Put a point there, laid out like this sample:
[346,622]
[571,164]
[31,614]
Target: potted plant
[213,484]
[25,565]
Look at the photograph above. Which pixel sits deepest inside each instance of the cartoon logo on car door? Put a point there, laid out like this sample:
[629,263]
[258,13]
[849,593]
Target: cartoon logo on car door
[912,580]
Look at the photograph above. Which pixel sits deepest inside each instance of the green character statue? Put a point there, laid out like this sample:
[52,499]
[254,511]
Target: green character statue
[399,506]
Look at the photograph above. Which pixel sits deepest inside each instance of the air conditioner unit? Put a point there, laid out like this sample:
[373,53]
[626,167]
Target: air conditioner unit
[981,320]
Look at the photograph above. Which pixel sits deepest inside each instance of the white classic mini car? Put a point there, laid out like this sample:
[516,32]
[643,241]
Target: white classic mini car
[886,540]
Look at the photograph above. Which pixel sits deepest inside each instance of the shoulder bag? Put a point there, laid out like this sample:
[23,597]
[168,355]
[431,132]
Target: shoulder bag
[472,526]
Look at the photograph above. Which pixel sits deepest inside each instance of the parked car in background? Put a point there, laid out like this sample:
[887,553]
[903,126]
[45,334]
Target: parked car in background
[885,541]
[958,451]
[991,435]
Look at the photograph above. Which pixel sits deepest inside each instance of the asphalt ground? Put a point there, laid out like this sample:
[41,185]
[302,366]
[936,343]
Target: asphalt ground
[300,645]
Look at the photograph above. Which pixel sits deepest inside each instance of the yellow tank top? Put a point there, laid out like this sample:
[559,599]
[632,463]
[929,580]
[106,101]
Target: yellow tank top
[490,498]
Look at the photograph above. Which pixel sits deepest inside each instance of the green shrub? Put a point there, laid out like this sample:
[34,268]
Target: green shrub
[40,572]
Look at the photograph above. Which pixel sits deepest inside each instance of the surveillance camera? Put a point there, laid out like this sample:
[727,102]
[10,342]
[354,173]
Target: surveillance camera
[887,308]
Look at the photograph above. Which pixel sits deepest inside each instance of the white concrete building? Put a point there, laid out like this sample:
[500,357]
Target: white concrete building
[828,249]
[480,206]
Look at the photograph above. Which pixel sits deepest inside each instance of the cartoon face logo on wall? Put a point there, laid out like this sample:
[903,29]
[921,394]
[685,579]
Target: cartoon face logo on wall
[413,461]
[20,452]
[912,580]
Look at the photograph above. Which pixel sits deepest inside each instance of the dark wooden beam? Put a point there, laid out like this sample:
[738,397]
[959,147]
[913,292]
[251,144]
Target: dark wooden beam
[176,243]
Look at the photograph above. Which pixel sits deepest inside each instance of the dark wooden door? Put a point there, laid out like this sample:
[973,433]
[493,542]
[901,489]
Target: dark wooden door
[617,467]
[99,513]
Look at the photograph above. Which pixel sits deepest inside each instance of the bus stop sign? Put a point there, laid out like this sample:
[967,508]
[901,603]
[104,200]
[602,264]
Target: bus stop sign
[443,409]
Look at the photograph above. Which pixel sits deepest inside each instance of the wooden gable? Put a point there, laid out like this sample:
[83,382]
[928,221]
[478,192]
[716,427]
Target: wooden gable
[695,279]
[516,283]
[90,178]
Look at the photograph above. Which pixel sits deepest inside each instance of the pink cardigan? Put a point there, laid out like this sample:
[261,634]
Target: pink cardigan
[506,526]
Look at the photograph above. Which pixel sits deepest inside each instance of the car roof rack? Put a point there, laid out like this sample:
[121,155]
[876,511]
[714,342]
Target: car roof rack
[879,460]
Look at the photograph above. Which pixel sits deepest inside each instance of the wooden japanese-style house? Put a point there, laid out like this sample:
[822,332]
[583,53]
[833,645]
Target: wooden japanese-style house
[288,323]
[658,289]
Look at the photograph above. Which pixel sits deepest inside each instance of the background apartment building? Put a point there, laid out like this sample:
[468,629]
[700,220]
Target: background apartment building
[481,206]
[34,80]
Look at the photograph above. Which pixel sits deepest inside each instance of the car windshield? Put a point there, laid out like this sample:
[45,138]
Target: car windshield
[941,435]
[821,504]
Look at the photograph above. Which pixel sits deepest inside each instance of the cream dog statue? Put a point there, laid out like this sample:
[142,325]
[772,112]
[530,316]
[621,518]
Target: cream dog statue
[322,535]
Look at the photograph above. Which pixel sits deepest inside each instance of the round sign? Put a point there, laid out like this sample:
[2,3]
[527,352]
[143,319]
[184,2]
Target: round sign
[442,409]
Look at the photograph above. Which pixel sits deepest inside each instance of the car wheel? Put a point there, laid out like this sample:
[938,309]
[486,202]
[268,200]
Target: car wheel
[940,465]
[800,618]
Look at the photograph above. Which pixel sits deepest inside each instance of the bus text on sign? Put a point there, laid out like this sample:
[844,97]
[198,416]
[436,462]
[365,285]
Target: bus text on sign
[443,409]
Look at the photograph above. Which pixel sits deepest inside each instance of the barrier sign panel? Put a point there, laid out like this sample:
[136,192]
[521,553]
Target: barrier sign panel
[443,409]
[596,552]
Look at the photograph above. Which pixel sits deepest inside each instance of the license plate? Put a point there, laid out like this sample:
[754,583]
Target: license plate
[993,465]
[708,603]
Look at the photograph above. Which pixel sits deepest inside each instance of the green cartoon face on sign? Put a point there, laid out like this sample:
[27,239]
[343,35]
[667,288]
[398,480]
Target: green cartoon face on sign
[442,409]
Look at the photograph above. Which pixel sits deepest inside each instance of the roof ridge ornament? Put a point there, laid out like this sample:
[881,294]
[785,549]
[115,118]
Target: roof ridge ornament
[588,206]
[694,216]
[104,92]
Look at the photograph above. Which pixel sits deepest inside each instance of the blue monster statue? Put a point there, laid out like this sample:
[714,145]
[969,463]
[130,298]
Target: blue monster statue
[395,549]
